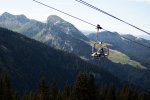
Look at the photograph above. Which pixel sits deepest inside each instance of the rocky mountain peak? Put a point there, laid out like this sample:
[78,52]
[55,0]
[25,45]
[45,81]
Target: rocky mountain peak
[65,27]
[54,19]
[6,14]
[19,18]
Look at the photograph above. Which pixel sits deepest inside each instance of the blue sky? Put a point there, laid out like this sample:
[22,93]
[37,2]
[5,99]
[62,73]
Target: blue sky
[136,12]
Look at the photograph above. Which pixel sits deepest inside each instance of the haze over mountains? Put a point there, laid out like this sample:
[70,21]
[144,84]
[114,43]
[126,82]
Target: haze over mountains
[60,34]
[145,37]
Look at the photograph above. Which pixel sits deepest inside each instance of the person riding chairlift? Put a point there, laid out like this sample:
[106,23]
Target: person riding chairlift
[100,52]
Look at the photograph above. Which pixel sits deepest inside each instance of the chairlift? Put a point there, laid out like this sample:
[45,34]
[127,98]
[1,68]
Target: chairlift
[99,49]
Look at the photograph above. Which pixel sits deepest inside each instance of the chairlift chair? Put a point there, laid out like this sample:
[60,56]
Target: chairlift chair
[99,49]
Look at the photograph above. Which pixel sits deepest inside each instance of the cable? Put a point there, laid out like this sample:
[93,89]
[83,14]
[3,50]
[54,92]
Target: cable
[85,21]
[136,42]
[64,13]
[131,40]
[91,6]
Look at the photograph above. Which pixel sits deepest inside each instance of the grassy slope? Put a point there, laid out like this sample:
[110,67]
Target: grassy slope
[118,57]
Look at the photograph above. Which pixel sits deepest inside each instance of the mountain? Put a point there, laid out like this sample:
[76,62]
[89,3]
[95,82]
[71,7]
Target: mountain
[20,19]
[13,22]
[27,60]
[62,35]
[56,32]
[65,27]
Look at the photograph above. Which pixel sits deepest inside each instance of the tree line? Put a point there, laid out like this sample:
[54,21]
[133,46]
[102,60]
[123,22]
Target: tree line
[84,88]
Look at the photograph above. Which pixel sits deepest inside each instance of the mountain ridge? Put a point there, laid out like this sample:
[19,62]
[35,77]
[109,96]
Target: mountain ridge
[65,34]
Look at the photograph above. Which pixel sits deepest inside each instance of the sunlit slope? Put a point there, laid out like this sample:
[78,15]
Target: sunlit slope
[118,57]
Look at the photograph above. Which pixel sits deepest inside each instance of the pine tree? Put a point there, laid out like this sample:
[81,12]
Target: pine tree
[85,88]
[53,91]
[5,88]
[42,92]
[103,92]
[143,96]
[128,93]
[16,96]
[111,93]
[66,92]
[29,96]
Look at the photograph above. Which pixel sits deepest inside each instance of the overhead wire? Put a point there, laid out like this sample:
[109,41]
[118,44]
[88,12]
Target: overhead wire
[86,22]
[135,42]
[131,40]
[64,13]
[102,11]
